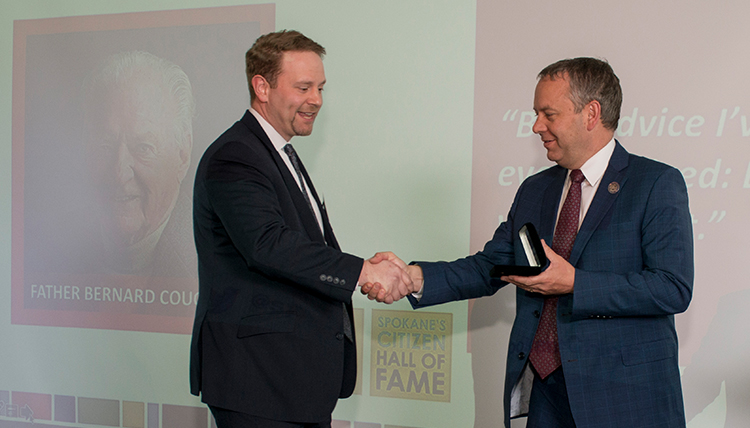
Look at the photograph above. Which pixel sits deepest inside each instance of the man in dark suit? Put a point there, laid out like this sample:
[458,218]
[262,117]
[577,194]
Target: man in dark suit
[593,343]
[273,342]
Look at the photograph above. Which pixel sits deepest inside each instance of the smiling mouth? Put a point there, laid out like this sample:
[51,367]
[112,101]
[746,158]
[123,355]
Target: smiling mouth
[307,115]
[124,199]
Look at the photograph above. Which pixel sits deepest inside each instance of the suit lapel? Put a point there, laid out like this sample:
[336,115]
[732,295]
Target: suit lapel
[603,199]
[307,217]
[551,203]
[329,238]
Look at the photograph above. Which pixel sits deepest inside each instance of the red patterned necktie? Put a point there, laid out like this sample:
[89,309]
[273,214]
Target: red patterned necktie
[545,352]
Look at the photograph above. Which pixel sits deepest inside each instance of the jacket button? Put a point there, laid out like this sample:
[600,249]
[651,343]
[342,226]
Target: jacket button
[340,336]
[329,278]
[536,314]
[522,355]
[323,277]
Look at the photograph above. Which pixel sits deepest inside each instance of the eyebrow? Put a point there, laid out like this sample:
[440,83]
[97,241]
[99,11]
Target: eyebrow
[309,83]
[545,109]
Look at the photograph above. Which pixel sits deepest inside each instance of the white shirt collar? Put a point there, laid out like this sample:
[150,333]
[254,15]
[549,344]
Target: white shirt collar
[276,139]
[594,168]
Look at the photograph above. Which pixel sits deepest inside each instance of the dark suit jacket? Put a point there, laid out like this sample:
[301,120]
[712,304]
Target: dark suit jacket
[268,335]
[634,269]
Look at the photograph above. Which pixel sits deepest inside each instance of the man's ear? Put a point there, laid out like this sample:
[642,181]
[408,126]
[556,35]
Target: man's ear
[185,154]
[593,114]
[261,87]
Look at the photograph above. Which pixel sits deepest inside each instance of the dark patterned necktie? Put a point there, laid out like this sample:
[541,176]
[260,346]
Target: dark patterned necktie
[545,352]
[295,163]
[289,150]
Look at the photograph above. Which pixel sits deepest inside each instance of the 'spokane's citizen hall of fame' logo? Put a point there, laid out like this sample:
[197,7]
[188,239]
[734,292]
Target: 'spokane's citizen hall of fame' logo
[411,355]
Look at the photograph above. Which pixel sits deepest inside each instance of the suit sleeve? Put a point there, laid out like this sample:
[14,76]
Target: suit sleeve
[250,219]
[656,281]
[469,277]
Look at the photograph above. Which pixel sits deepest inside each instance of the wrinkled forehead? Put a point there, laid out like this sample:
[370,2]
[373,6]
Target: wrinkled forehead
[136,99]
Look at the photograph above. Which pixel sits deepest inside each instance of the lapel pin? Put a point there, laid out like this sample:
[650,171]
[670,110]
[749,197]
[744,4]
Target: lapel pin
[613,187]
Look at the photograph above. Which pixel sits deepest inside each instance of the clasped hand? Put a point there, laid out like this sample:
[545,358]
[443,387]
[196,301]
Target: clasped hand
[386,278]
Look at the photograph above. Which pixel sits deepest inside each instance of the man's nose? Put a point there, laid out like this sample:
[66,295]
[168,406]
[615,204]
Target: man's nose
[124,164]
[316,98]
[538,126]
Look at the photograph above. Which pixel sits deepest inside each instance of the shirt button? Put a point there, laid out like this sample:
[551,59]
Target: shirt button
[340,336]
[521,356]
[536,314]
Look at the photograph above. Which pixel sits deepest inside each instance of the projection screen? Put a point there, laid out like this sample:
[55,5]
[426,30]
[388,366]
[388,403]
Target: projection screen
[423,140]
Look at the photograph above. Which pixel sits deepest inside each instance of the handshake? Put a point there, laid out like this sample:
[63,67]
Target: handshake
[386,278]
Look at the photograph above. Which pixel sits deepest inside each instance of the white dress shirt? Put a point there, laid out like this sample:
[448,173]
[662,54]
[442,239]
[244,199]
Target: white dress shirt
[593,170]
[278,143]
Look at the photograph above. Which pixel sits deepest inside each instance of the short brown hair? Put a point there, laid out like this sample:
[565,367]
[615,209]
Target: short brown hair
[264,58]
[590,79]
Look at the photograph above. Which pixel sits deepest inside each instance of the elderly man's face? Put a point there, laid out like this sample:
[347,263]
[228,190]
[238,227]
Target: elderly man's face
[137,163]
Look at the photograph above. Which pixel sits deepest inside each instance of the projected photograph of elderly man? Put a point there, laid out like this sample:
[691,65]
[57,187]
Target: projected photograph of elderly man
[138,112]
[108,122]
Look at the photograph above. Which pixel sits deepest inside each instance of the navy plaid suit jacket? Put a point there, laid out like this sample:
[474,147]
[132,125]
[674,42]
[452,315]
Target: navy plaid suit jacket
[634,270]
